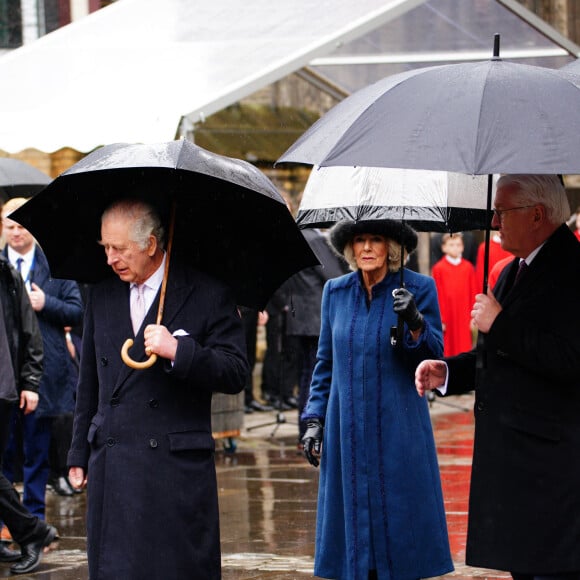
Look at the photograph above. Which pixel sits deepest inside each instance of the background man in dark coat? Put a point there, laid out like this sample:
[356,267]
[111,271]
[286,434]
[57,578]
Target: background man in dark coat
[303,316]
[143,438]
[21,364]
[524,509]
[57,304]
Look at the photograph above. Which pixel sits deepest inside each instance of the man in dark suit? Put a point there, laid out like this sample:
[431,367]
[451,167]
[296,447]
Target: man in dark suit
[57,303]
[524,509]
[21,356]
[142,438]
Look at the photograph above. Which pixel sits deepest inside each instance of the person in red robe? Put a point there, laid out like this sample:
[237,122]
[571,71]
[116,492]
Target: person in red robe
[496,253]
[456,289]
[577,224]
[497,270]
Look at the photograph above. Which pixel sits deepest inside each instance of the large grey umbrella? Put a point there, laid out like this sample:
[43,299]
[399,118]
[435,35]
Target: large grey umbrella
[20,179]
[476,118]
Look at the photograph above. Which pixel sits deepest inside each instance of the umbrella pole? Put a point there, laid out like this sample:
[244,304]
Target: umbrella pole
[480,350]
[129,342]
[398,331]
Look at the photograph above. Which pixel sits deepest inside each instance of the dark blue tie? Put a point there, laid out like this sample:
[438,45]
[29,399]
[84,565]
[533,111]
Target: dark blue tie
[19,264]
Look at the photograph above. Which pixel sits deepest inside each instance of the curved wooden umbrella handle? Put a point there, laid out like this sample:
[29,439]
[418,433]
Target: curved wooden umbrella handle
[129,342]
[132,363]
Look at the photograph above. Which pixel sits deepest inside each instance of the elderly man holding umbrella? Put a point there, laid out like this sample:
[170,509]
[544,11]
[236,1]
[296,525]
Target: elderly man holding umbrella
[524,510]
[143,437]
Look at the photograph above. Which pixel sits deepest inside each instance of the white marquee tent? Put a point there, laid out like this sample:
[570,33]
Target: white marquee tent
[139,70]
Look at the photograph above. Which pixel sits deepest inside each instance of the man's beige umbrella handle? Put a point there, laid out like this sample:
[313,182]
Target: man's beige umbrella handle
[129,342]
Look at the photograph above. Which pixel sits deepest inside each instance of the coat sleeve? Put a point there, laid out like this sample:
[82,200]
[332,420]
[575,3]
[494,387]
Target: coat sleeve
[87,396]
[216,361]
[430,342]
[30,347]
[322,375]
[65,308]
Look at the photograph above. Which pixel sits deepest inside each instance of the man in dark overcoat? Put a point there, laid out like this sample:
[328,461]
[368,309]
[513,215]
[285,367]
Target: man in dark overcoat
[524,508]
[57,304]
[21,357]
[142,438]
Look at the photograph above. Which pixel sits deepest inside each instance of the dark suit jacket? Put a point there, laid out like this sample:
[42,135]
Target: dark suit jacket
[524,512]
[145,435]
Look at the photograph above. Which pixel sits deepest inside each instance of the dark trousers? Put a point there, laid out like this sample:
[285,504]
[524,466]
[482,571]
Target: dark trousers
[36,434]
[250,322]
[60,441]
[309,346]
[21,523]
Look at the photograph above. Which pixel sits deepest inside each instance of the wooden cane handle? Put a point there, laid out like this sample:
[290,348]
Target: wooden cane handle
[132,363]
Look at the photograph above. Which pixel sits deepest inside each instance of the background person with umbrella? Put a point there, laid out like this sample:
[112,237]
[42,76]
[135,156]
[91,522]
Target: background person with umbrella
[380,506]
[18,178]
[146,433]
[524,507]
[143,438]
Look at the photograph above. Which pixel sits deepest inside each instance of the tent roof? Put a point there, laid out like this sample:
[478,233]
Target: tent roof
[135,70]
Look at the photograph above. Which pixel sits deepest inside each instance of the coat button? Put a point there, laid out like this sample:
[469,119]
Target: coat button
[104,361]
[153,403]
[480,406]
[153,443]
[115,402]
[110,441]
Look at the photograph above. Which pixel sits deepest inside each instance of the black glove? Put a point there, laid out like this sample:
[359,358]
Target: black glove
[404,305]
[312,440]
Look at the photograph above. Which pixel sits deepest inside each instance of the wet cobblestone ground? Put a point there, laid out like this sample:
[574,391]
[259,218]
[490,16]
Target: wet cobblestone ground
[267,496]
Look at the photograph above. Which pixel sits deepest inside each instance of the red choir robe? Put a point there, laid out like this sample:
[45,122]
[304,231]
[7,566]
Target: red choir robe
[496,253]
[456,290]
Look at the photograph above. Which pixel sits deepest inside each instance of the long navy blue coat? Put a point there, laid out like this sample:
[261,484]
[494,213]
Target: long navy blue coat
[145,435]
[63,307]
[379,475]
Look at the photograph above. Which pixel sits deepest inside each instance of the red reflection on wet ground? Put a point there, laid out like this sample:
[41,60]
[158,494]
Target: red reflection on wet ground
[454,440]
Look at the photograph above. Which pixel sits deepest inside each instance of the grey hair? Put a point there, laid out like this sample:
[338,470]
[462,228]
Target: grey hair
[146,220]
[546,190]
[393,256]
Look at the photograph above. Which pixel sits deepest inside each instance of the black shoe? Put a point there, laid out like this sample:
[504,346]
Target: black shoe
[292,402]
[248,410]
[8,555]
[281,405]
[257,406]
[32,552]
[62,486]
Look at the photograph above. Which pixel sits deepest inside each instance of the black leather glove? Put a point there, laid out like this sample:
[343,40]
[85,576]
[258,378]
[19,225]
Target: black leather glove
[312,440]
[404,305]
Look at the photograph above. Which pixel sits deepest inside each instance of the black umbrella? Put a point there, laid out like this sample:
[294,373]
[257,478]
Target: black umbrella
[19,179]
[230,220]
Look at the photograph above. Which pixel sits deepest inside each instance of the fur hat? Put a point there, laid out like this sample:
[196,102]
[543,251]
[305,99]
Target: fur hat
[343,232]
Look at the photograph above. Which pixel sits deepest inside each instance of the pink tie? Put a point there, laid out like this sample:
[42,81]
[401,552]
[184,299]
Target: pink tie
[137,307]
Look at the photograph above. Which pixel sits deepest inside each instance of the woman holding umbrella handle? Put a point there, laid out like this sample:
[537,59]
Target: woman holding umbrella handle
[366,427]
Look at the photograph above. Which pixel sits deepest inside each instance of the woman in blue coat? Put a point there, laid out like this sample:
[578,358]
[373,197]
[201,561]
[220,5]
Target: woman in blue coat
[380,505]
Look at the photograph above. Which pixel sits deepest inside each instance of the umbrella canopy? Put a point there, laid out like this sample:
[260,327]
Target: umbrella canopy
[19,179]
[476,118]
[230,220]
[432,201]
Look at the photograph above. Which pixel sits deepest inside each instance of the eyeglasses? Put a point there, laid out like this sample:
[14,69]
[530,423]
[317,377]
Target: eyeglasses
[498,213]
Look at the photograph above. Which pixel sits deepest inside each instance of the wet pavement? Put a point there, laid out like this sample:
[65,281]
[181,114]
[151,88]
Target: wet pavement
[267,494]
